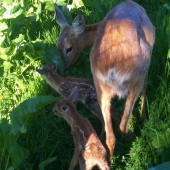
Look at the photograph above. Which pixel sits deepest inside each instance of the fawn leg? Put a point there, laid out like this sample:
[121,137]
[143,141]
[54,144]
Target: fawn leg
[82,163]
[75,158]
[104,94]
[88,166]
[95,108]
[103,165]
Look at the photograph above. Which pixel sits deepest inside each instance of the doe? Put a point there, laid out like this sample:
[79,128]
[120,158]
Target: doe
[120,60]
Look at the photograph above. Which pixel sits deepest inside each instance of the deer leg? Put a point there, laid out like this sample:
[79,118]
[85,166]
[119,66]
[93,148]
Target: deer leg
[116,118]
[95,108]
[102,134]
[110,137]
[75,158]
[82,163]
[129,105]
[104,94]
[143,116]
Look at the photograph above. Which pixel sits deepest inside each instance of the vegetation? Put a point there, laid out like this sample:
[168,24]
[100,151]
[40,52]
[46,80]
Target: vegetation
[31,137]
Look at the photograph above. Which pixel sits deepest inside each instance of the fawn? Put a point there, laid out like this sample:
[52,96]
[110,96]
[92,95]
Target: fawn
[120,60]
[87,92]
[89,151]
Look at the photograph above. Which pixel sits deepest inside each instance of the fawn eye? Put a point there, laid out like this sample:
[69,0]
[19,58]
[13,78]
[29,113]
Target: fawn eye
[69,49]
[64,108]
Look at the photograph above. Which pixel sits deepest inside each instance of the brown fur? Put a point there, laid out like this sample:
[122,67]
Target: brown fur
[87,92]
[89,151]
[69,38]
[120,59]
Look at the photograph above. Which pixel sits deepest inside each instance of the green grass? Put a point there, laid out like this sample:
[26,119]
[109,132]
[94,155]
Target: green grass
[44,139]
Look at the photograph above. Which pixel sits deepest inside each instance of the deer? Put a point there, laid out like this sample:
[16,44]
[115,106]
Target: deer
[86,94]
[89,151]
[120,58]
[73,39]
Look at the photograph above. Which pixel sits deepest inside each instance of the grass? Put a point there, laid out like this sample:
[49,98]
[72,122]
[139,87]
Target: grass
[47,140]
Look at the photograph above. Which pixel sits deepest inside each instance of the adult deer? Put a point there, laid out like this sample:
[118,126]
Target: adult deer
[120,59]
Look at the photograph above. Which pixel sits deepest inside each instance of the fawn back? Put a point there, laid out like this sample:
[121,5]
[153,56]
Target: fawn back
[89,151]
[86,94]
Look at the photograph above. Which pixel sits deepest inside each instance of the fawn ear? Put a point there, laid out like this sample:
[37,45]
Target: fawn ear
[61,20]
[74,94]
[79,24]
[41,71]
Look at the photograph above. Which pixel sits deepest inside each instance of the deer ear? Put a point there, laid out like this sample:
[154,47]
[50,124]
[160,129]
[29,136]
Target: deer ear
[60,17]
[79,24]
[74,94]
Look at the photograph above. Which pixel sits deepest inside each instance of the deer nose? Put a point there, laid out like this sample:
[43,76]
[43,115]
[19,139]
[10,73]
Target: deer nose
[40,71]
[54,110]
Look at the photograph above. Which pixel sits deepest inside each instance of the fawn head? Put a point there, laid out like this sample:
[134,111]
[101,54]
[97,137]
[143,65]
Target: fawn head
[64,107]
[69,42]
[47,68]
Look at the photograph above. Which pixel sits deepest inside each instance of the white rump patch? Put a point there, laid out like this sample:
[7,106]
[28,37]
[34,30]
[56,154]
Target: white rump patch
[116,81]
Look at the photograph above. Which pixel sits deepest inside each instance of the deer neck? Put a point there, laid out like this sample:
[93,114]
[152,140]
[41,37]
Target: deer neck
[54,80]
[73,117]
[88,36]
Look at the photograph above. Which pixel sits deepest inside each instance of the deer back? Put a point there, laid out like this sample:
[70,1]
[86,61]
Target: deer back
[122,49]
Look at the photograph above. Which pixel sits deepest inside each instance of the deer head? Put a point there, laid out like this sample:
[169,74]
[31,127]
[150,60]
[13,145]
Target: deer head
[73,39]
[64,107]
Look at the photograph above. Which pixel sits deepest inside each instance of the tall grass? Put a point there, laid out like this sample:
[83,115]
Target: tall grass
[47,140]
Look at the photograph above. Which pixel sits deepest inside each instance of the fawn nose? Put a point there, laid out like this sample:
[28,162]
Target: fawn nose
[40,71]
[54,111]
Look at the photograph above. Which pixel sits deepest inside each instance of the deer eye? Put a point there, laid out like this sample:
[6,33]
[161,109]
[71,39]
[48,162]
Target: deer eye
[64,108]
[69,49]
